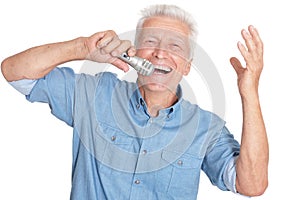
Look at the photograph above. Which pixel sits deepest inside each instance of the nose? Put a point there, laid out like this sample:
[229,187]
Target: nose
[160,53]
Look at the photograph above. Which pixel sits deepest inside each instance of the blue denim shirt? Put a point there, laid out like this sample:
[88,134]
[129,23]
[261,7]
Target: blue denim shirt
[121,152]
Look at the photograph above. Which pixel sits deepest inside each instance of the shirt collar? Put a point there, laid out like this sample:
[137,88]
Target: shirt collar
[138,103]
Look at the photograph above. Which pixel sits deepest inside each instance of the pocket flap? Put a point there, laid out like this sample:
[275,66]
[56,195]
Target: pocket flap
[113,135]
[181,160]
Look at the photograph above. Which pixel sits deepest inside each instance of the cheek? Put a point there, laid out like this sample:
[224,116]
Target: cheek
[144,53]
[183,66]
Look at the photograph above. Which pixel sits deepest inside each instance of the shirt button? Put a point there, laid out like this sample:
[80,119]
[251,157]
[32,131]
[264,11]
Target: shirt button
[113,138]
[138,106]
[137,182]
[144,152]
[150,120]
[142,103]
[180,162]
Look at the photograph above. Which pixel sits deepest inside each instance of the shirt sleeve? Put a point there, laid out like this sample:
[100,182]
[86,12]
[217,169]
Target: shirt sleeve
[219,163]
[56,89]
[24,86]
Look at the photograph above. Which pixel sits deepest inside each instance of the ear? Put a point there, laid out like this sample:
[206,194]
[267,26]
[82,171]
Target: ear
[187,68]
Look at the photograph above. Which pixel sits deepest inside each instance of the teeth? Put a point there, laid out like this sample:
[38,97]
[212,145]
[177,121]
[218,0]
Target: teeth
[163,68]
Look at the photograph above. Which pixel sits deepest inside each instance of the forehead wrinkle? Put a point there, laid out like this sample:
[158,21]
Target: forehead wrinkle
[167,23]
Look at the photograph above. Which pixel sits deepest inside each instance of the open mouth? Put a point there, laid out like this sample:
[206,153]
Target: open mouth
[161,69]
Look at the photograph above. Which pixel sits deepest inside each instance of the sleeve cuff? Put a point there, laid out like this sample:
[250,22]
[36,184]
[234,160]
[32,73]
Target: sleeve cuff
[24,86]
[229,175]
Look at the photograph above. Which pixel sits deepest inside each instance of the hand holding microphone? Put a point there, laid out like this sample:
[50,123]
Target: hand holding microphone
[106,43]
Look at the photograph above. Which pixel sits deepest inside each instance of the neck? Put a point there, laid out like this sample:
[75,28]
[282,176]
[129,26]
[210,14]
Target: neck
[157,101]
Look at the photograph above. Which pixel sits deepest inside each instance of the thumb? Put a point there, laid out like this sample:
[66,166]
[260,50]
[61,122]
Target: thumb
[120,64]
[236,64]
[131,51]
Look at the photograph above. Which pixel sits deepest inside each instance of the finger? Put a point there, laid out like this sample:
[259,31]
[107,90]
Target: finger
[111,45]
[120,64]
[131,51]
[256,38]
[106,39]
[97,36]
[236,64]
[248,41]
[243,50]
[122,47]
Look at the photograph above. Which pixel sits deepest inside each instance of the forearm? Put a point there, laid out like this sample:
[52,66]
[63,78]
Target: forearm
[37,62]
[252,164]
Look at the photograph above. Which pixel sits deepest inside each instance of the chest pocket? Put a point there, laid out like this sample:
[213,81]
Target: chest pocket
[185,174]
[119,149]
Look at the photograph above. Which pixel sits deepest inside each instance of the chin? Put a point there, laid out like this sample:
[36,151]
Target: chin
[158,87]
[158,83]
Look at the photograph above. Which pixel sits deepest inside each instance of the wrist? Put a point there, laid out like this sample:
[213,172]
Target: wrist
[250,97]
[248,89]
[80,49]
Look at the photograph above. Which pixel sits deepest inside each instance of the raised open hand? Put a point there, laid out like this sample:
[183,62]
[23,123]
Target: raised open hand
[248,76]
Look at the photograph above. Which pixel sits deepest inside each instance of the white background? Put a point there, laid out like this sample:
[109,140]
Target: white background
[35,147]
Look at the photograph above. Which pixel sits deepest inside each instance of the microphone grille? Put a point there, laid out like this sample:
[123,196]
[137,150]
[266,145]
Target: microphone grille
[146,68]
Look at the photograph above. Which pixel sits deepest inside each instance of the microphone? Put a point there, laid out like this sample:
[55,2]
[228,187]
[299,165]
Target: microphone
[141,65]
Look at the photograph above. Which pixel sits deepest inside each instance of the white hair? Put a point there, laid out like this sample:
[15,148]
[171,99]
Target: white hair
[174,12]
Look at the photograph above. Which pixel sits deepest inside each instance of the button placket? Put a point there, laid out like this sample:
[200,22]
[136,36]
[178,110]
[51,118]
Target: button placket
[150,120]
[138,106]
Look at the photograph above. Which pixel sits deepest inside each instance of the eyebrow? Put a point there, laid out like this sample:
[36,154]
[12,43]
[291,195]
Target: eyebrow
[177,38]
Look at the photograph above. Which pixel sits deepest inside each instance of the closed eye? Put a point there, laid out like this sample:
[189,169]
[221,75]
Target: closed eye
[175,47]
[150,42]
